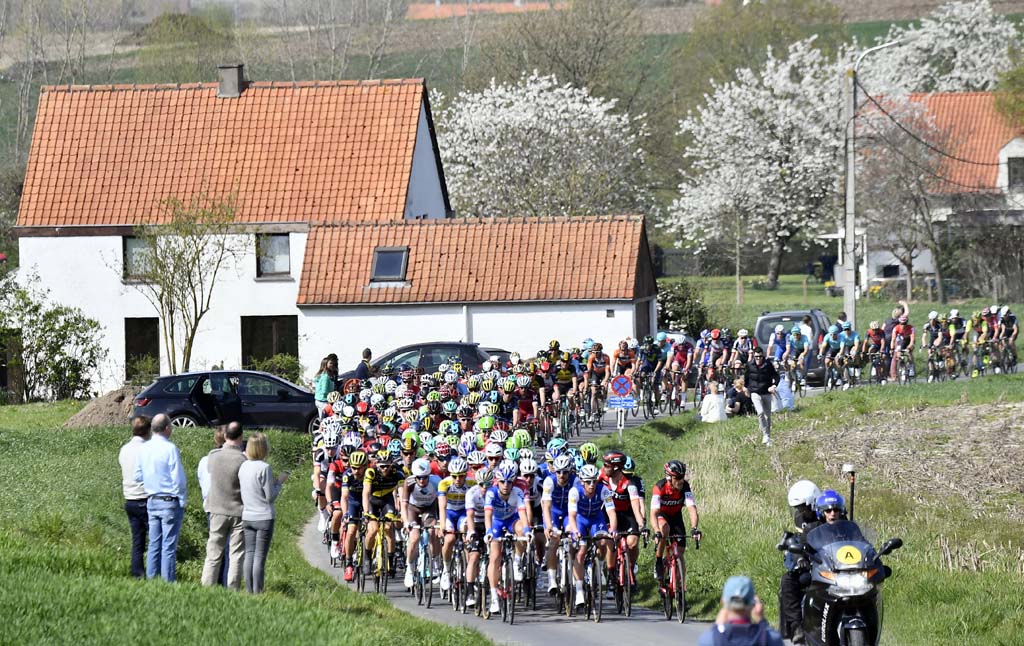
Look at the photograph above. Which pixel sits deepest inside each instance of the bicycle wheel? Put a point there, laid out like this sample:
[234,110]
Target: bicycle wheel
[428,578]
[418,579]
[627,585]
[508,588]
[667,594]
[617,586]
[597,598]
[568,598]
[680,589]
[483,594]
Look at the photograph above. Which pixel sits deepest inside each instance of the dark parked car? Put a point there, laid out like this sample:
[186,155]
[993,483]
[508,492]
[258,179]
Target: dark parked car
[765,327]
[429,356]
[256,399]
[502,355]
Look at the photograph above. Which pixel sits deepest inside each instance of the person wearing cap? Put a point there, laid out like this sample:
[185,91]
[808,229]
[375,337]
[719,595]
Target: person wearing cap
[741,621]
[761,378]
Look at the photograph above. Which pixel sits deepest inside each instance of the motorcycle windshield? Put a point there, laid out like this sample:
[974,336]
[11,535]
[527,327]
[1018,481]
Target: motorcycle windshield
[839,531]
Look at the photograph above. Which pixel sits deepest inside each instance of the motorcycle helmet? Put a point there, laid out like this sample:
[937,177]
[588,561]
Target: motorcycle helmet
[829,500]
[803,492]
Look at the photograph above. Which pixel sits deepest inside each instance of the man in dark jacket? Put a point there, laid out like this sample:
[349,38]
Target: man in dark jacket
[761,379]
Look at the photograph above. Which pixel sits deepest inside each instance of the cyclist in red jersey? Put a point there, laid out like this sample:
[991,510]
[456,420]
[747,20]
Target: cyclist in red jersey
[670,495]
[629,506]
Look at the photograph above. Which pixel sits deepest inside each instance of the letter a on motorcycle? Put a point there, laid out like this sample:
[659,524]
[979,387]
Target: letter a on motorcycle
[848,555]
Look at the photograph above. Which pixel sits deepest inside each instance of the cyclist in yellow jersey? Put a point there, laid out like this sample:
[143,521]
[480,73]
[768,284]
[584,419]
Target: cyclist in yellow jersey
[379,499]
[451,500]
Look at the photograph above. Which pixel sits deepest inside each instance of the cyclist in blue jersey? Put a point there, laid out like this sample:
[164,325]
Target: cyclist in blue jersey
[798,348]
[504,512]
[849,342]
[590,504]
[830,346]
[777,345]
[554,504]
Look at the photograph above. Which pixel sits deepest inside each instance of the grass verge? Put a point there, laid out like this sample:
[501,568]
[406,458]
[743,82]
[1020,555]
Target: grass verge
[972,598]
[64,554]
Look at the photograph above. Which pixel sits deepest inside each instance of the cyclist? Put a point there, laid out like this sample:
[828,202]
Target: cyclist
[932,338]
[624,359]
[588,498]
[451,502]
[715,352]
[475,529]
[903,338]
[629,506]
[504,512]
[1008,330]
[565,378]
[682,361]
[554,504]
[777,346]
[527,401]
[670,495]
[665,356]
[419,512]
[648,360]
[849,342]
[742,347]
[830,347]
[597,375]
[379,500]
[798,347]
[532,487]
[352,507]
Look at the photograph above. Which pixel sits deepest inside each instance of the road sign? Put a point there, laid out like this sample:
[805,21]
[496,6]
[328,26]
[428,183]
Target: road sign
[622,386]
[621,402]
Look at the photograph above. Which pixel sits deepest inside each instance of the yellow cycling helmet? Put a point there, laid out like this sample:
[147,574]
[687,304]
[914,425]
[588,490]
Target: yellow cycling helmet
[357,459]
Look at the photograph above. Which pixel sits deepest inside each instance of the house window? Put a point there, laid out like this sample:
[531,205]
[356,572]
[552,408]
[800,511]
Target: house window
[142,347]
[890,271]
[389,264]
[134,251]
[1015,170]
[609,314]
[265,336]
[273,255]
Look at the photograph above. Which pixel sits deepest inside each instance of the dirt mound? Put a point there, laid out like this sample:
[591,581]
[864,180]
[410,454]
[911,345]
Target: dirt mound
[112,409]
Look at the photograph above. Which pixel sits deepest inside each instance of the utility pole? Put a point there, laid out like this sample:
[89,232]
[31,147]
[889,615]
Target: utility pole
[849,275]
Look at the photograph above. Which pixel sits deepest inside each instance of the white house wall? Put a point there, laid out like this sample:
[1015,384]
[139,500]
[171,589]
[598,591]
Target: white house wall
[528,327]
[89,277]
[424,196]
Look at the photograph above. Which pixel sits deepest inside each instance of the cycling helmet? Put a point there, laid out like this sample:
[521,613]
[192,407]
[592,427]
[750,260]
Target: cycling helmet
[424,436]
[451,377]
[511,454]
[484,478]
[847,325]
[874,325]
[588,472]
[458,467]
[506,472]
[487,384]
[527,466]
[493,450]
[557,443]
[383,457]
[364,394]
[401,390]
[420,468]
[829,500]
[796,330]
[578,462]
[675,468]
[588,343]
[493,397]
[476,458]
[433,396]
[442,448]
[742,333]
[545,366]
[430,446]
[614,459]
[450,407]
[409,442]
[803,492]
[629,466]
[954,313]
[661,337]
[331,438]
[376,400]
[562,463]
[499,436]
[589,452]
[633,344]
[333,397]
[508,384]
[486,366]
[522,438]
[933,315]
[390,386]
[467,444]
[357,459]
[833,329]
[405,403]
[779,329]
[377,389]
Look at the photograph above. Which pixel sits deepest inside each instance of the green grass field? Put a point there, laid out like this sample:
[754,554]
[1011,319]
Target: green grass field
[65,547]
[720,295]
[741,486]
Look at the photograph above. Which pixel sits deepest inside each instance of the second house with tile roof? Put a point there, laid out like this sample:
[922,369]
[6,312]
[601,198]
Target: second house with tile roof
[341,201]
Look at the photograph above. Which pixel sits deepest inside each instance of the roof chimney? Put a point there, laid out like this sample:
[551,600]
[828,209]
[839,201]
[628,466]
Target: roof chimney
[231,81]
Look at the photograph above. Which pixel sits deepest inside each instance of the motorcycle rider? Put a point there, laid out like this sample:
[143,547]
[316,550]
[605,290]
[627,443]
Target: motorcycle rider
[802,497]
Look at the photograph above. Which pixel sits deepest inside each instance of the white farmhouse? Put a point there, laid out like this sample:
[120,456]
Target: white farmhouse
[341,200]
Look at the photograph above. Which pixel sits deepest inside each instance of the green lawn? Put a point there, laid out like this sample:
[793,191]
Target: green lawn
[720,295]
[741,487]
[65,547]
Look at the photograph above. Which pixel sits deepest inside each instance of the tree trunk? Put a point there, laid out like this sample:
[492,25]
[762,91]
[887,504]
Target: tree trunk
[739,274]
[775,260]
[910,278]
[938,276]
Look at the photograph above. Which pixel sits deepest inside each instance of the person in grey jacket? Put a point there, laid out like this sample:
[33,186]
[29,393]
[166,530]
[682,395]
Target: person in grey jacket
[225,506]
[259,491]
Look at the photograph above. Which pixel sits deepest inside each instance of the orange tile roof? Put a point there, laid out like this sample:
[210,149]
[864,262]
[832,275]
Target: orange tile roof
[294,152]
[479,260]
[433,11]
[976,132]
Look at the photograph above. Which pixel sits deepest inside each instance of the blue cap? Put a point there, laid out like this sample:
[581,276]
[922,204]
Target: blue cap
[739,588]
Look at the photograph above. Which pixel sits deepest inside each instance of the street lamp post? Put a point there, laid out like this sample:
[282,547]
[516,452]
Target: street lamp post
[849,277]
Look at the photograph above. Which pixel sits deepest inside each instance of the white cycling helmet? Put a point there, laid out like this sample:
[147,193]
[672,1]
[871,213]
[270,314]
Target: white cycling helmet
[994,309]
[401,390]
[420,468]
[526,454]
[451,377]
[562,463]
[589,472]
[954,313]
[376,399]
[390,386]
[486,367]
[803,492]
[348,411]
[493,450]
[743,332]
[779,329]
[1003,310]
[933,315]
[527,466]
[633,344]
[514,358]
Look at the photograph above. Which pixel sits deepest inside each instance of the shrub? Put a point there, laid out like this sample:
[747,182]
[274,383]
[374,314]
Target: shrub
[285,366]
[142,370]
[681,303]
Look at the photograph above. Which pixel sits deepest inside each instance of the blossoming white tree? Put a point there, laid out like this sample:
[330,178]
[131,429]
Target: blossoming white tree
[960,47]
[763,156]
[539,148]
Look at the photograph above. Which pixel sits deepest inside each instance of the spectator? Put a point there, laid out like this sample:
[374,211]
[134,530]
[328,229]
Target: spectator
[325,382]
[162,474]
[363,370]
[737,399]
[807,331]
[203,475]
[225,505]
[135,493]
[259,491]
[712,407]
[761,379]
[740,622]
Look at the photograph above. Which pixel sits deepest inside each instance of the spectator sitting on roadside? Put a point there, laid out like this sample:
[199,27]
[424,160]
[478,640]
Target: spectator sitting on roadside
[203,475]
[712,407]
[740,622]
[135,493]
[259,491]
[364,370]
[225,505]
[737,399]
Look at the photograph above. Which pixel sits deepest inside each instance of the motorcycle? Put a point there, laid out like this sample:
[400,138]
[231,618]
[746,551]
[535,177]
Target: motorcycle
[842,605]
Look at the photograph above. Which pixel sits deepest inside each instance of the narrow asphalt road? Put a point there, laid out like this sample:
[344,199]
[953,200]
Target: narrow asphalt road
[543,627]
